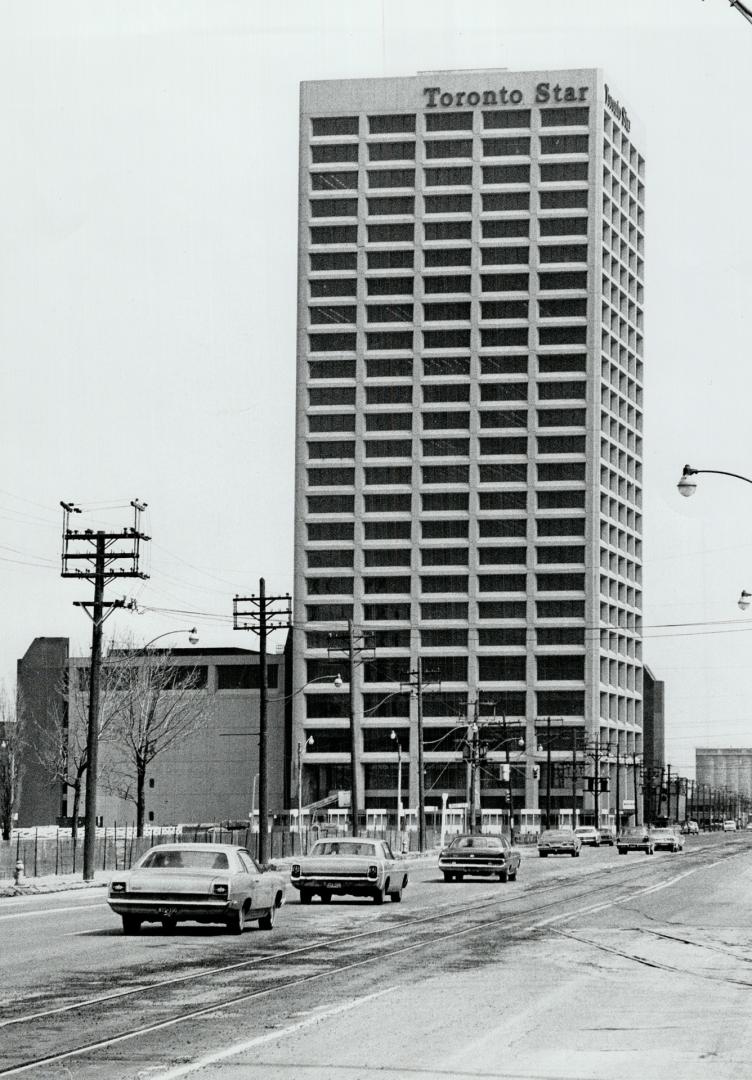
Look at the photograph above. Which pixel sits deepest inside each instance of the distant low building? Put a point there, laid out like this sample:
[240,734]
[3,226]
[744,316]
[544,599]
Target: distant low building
[725,767]
[210,775]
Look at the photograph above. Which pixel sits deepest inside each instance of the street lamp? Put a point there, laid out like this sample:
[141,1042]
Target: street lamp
[687,486]
[393,736]
[744,600]
[192,637]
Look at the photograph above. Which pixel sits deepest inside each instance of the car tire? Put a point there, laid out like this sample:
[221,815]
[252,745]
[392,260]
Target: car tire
[236,921]
[305,896]
[543,854]
[325,896]
[448,876]
[396,897]
[169,924]
[649,851]
[266,922]
[378,895]
[131,924]
[622,850]
[503,876]
[513,874]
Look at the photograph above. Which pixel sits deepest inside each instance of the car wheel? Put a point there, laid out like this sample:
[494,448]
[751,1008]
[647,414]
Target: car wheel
[266,922]
[378,895]
[513,874]
[448,876]
[325,896]
[236,921]
[543,854]
[131,924]
[169,924]
[503,875]
[305,896]
[396,897]
[622,850]
[649,851]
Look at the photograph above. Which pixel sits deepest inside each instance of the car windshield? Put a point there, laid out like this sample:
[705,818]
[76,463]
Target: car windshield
[344,847]
[475,842]
[170,859]
[585,829]
[635,831]
[663,832]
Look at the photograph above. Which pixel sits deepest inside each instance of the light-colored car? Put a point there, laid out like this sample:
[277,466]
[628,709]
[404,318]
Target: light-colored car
[607,835]
[350,866]
[559,842]
[691,828]
[635,838]
[729,826]
[206,883]
[470,855]
[667,839]
[589,835]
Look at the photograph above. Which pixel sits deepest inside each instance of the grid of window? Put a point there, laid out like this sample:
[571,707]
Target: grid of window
[455,335]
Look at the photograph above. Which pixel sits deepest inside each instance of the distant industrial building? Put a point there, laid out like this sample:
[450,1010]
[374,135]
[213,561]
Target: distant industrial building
[209,776]
[725,767]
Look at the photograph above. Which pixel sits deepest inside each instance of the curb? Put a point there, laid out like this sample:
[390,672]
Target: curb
[40,888]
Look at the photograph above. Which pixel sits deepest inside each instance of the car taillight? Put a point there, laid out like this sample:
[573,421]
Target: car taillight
[295,870]
[373,871]
[219,888]
[117,886]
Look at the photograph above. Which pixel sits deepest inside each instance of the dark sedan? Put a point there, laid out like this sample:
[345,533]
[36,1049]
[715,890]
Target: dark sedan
[479,855]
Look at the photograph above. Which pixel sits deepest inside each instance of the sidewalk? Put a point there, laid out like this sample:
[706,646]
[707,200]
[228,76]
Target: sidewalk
[53,883]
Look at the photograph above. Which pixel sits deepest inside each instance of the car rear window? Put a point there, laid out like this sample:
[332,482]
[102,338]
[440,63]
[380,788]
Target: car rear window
[186,860]
[341,847]
[476,842]
[553,834]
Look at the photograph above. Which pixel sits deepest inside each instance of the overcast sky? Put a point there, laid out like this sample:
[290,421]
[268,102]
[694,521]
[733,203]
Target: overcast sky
[147,297]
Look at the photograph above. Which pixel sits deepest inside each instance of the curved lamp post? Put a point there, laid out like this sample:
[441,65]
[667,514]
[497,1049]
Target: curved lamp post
[687,486]
[192,637]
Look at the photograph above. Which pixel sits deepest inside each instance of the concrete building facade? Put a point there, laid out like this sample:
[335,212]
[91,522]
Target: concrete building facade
[210,775]
[469,417]
[725,768]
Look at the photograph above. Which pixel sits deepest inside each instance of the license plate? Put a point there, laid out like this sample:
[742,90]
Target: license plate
[333,885]
[167,911]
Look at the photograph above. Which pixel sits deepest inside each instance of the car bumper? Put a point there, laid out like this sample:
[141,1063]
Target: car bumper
[333,884]
[182,910]
[475,867]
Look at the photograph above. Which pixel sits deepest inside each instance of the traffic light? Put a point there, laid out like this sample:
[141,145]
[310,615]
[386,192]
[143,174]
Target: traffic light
[504,772]
[536,772]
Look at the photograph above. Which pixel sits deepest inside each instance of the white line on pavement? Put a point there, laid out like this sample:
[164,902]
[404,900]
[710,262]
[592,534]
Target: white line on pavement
[50,911]
[259,1040]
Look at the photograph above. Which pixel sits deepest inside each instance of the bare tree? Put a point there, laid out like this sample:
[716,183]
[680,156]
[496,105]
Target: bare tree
[154,704]
[11,741]
[60,743]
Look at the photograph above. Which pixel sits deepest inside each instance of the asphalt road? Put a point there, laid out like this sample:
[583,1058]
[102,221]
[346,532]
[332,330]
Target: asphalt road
[599,967]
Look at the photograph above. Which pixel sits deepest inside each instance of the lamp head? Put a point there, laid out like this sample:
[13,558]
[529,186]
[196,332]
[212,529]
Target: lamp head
[338,680]
[193,636]
[744,600]
[310,740]
[687,485]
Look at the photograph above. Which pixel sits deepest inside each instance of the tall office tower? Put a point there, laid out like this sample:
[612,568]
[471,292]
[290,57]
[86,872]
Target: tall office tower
[469,415]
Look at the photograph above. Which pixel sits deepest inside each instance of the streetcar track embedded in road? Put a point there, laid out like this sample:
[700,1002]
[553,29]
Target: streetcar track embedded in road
[405,924]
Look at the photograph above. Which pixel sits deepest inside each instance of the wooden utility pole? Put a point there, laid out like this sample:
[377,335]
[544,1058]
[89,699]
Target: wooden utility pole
[264,617]
[97,560]
[357,648]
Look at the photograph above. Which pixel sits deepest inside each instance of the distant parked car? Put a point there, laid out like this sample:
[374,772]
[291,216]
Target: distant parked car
[206,883]
[350,866]
[667,839]
[635,838]
[607,835]
[559,842]
[589,835]
[470,855]
[729,826]
[691,828]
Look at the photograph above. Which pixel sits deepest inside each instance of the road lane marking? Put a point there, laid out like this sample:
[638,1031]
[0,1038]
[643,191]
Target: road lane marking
[259,1040]
[49,911]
